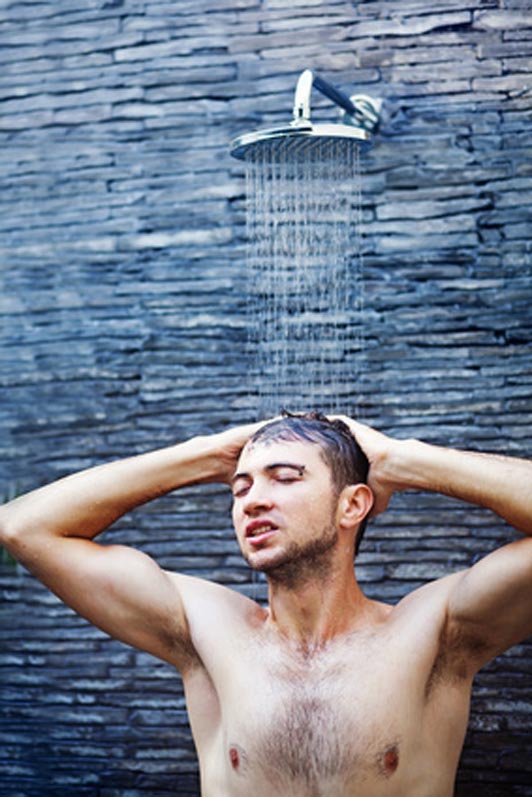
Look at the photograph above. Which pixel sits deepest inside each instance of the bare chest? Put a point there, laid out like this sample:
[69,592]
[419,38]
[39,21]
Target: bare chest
[326,720]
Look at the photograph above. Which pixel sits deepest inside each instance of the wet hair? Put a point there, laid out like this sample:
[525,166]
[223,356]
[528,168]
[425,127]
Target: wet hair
[338,446]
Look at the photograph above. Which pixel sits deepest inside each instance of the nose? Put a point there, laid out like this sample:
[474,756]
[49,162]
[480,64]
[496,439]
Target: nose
[256,500]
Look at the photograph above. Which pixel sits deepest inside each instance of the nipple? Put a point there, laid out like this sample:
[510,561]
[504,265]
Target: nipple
[234,757]
[390,760]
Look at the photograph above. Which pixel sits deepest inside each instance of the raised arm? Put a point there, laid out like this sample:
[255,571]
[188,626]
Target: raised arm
[121,590]
[490,605]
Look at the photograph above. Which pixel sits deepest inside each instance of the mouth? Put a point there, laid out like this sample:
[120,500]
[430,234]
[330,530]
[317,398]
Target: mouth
[259,531]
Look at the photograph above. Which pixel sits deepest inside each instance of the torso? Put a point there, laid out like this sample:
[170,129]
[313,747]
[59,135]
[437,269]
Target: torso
[374,713]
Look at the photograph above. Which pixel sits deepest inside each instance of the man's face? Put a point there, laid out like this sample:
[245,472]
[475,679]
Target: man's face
[284,504]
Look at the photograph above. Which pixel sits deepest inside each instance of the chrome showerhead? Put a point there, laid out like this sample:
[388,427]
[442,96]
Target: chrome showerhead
[360,117]
[297,137]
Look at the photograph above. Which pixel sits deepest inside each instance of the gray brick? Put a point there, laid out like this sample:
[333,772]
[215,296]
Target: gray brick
[123,291]
[503,20]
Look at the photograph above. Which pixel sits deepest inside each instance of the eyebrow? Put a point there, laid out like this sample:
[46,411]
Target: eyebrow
[274,466]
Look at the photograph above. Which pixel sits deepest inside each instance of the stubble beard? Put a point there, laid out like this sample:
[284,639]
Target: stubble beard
[300,562]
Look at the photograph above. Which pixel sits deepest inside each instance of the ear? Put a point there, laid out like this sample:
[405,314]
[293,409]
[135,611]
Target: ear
[354,504]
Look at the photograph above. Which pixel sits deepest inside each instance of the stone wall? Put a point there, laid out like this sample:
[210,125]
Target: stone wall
[122,301]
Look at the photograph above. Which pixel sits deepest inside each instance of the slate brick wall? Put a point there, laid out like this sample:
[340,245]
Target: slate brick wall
[122,305]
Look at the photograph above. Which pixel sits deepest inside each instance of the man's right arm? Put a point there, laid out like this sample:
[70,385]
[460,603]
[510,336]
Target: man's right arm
[51,532]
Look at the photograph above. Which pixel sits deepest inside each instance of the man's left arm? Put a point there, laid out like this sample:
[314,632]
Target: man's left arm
[490,604]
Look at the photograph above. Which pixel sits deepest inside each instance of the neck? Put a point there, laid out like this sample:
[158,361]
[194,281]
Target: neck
[316,607]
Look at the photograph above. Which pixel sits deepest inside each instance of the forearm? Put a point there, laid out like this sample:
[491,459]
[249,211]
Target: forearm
[502,484]
[86,503]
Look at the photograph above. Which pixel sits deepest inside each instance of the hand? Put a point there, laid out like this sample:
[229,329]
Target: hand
[231,443]
[378,448]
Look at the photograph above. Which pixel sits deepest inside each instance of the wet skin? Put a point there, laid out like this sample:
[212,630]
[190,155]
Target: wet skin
[324,692]
[377,710]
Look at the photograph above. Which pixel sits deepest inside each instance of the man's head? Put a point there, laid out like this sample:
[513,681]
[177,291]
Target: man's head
[338,448]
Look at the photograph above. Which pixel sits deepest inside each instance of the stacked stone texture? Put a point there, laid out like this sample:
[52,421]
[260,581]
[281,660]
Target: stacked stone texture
[123,297]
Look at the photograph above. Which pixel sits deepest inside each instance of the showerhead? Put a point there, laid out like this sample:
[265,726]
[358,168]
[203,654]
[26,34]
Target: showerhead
[294,137]
[359,118]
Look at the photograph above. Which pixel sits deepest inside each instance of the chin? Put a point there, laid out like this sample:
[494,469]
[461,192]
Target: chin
[265,561]
[296,564]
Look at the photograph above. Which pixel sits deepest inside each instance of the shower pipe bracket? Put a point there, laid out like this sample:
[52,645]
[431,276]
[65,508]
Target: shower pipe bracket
[358,110]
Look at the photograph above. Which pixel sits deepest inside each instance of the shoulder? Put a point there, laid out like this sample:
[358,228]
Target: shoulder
[214,615]
[430,600]
[213,609]
[201,593]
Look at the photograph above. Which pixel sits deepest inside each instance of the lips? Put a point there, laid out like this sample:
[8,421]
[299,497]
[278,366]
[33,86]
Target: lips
[258,531]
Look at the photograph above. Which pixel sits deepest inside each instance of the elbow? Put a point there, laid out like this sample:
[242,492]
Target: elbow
[11,532]
[7,531]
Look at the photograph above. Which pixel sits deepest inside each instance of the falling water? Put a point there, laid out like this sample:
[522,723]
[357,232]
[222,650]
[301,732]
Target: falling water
[305,272]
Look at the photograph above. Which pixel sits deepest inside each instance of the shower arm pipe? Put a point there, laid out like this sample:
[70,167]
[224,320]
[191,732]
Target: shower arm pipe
[304,86]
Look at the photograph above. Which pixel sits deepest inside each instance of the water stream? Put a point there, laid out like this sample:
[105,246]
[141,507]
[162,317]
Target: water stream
[305,275]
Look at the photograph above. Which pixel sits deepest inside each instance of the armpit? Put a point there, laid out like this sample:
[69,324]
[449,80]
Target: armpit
[459,650]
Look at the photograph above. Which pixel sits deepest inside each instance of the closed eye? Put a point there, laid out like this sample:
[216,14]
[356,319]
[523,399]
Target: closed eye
[281,472]
[240,489]
[287,474]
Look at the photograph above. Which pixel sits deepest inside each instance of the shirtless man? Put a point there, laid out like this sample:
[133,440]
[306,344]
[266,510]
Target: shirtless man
[325,693]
